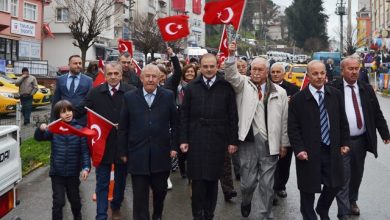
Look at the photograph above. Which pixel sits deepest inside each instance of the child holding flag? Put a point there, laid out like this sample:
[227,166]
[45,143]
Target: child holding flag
[69,155]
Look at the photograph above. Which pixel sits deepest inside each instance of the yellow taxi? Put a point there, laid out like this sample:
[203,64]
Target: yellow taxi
[41,97]
[7,99]
[295,73]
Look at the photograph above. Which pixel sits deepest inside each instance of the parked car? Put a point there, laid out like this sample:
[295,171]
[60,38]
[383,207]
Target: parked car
[295,73]
[41,98]
[7,99]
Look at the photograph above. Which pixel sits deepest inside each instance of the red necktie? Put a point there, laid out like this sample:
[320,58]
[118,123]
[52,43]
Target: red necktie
[259,91]
[113,90]
[356,107]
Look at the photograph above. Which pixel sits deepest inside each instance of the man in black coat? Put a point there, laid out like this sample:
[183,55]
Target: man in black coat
[282,172]
[209,128]
[319,135]
[364,117]
[106,100]
[129,75]
[147,137]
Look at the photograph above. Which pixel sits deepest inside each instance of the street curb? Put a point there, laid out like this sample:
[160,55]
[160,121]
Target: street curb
[386,95]
[38,165]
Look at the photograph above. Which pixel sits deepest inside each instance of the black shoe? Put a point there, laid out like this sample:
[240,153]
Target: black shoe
[230,195]
[246,210]
[281,193]
[355,209]
[238,177]
[156,217]
[343,217]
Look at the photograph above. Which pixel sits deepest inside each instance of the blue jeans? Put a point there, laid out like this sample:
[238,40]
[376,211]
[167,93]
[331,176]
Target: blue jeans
[26,102]
[103,172]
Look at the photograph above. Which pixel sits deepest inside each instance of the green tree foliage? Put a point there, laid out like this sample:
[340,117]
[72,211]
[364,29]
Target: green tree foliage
[307,24]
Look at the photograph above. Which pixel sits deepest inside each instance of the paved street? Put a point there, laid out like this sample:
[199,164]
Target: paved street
[35,194]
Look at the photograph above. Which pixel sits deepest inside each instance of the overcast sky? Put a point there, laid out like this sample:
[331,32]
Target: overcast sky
[330,8]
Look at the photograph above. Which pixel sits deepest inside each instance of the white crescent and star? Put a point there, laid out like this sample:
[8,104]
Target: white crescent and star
[99,132]
[230,15]
[123,47]
[63,129]
[169,30]
[225,43]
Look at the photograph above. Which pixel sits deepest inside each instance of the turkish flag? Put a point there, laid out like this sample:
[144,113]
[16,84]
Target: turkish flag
[61,127]
[100,79]
[97,143]
[138,69]
[305,82]
[224,12]
[197,6]
[173,27]
[179,5]
[125,46]
[223,46]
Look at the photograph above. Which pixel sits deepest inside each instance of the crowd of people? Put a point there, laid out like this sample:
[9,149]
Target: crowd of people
[209,118]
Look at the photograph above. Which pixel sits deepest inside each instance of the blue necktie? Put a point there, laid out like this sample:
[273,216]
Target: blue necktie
[149,98]
[323,120]
[71,88]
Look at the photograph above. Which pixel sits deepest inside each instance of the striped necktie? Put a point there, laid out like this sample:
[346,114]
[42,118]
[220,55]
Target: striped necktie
[325,137]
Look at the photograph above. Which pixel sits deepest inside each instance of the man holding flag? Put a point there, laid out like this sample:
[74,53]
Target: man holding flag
[106,100]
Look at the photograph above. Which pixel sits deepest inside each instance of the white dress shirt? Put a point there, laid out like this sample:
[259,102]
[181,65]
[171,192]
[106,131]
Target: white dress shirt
[212,80]
[110,88]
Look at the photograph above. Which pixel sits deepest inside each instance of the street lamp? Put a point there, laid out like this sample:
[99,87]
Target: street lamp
[340,10]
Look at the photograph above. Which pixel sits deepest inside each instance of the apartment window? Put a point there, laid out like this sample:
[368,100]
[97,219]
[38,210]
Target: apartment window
[4,5]
[62,15]
[30,11]
[14,8]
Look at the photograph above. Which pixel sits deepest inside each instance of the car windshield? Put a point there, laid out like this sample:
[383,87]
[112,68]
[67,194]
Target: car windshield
[299,69]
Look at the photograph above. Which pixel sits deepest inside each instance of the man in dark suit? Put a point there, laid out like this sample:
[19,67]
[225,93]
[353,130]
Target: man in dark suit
[147,137]
[208,128]
[364,117]
[319,135]
[282,172]
[106,100]
[73,86]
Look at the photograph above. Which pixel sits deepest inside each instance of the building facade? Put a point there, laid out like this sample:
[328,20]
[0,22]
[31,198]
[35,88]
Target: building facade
[363,18]
[20,30]
[380,18]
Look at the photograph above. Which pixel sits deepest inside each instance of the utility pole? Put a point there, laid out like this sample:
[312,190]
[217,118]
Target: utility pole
[129,20]
[340,10]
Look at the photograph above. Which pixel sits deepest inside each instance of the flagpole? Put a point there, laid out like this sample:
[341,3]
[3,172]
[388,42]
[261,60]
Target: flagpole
[239,24]
[106,120]
[220,42]
[53,122]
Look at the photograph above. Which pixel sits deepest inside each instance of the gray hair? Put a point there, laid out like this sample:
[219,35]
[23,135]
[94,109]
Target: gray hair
[278,65]
[151,67]
[261,60]
[313,62]
[342,63]
[115,65]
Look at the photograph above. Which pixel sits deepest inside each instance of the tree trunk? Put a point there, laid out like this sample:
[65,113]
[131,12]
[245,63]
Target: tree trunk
[146,58]
[83,57]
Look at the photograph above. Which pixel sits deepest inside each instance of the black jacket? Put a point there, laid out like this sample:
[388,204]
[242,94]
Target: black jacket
[209,123]
[99,99]
[304,132]
[290,88]
[373,116]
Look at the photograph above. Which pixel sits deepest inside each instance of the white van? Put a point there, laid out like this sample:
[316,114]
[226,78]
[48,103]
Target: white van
[196,52]
[10,167]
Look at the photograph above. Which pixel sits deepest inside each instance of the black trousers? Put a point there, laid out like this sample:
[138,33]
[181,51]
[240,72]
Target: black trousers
[204,199]
[69,185]
[182,157]
[327,194]
[282,172]
[141,184]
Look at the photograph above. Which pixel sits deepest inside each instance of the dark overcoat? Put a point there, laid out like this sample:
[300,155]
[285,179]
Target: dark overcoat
[100,100]
[373,116]
[305,135]
[209,123]
[148,134]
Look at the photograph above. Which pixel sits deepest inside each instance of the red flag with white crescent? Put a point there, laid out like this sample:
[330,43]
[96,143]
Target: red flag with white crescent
[223,46]
[100,79]
[137,67]
[60,127]
[224,12]
[125,46]
[97,143]
[174,27]
[197,6]
[179,5]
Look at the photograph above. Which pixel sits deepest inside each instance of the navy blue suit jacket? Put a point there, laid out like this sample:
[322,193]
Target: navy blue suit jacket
[61,92]
[148,134]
